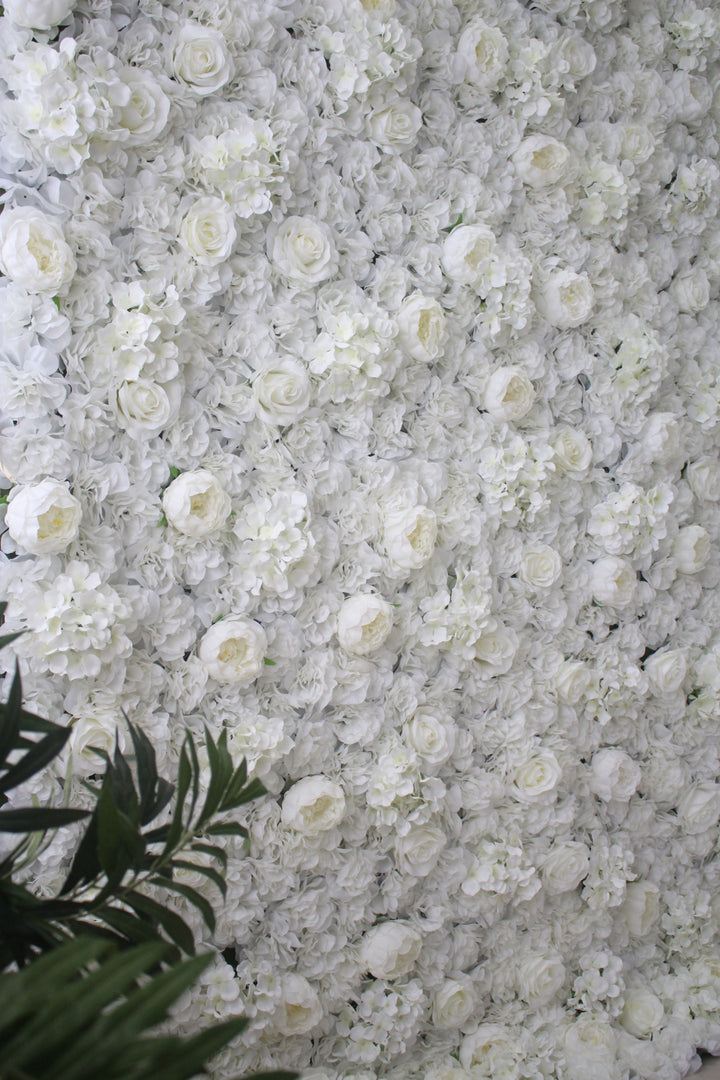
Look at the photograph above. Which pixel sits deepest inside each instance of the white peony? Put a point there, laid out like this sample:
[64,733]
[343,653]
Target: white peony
[565,866]
[390,950]
[614,581]
[282,391]
[313,805]
[300,1009]
[33,251]
[195,504]
[691,549]
[642,1013]
[421,324]
[200,58]
[614,774]
[43,518]
[509,394]
[573,450]
[143,407]
[233,650]
[303,251]
[38,14]
[541,161]
[208,231]
[566,299]
[703,476]
[641,907]
[364,623]
[482,53]
[409,536]
[692,290]
[467,253]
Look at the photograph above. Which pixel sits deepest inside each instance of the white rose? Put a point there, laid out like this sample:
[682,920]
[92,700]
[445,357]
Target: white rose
[208,231]
[540,977]
[43,518]
[33,251]
[666,671]
[483,54]
[566,299]
[565,866]
[453,1003]
[233,650]
[541,566]
[573,450]
[691,549]
[578,54]
[200,58]
[195,504]
[145,115]
[509,394]
[430,737]
[641,907]
[409,536]
[390,950]
[541,161]
[692,290]
[303,251]
[143,407]
[495,648]
[536,777]
[571,681]
[421,323]
[418,851]
[642,1013]
[614,581]
[703,476]
[364,623]
[282,391]
[38,14]
[699,808]
[490,1048]
[395,126]
[313,805]
[614,774]
[590,1049]
[301,1009]
[467,253]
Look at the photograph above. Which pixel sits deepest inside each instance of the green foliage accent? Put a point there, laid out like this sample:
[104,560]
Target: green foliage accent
[83,1011]
[84,975]
[270,663]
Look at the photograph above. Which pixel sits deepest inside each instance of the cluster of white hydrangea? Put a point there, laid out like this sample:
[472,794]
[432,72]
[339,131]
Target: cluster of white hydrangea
[360,396]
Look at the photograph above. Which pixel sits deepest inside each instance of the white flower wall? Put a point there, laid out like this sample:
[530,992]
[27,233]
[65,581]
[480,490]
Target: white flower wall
[360,394]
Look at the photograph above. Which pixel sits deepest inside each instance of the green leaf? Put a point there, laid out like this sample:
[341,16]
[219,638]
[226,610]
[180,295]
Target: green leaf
[196,1051]
[185,775]
[174,472]
[227,828]
[120,845]
[221,773]
[122,785]
[10,717]
[34,760]
[37,819]
[56,302]
[85,866]
[213,850]
[192,895]
[237,798]
[175,927]
[207,871]
[270,663]
[155,793]
[6,639]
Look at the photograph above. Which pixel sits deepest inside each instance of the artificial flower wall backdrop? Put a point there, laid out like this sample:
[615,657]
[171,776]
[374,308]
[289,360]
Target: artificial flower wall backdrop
[360,396]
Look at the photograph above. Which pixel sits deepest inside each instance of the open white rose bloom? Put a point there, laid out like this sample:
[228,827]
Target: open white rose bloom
[360,395]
